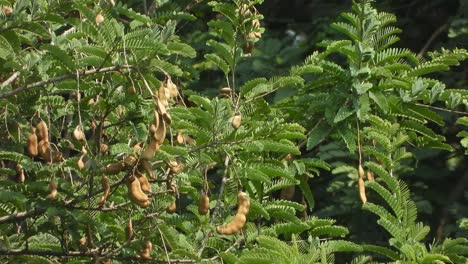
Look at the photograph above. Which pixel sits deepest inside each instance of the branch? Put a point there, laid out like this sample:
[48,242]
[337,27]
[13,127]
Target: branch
[442,109]
[90,254]
[434,35]
[61,78]
[20,216]
[10,79]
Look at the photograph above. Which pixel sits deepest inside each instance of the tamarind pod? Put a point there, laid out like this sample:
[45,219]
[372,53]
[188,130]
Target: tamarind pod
[150,149]
[203,204]
[163,94]
[81,164]
[160,133]
[370,175]
[180,138]
[42,131]
[130,161]
[20,170]
[236,121]
[239,220]
[112,3]
[106,186]
[146,251]
[137,148]
[78,133]
[362,190]
[32,144]
[135,192]
[144,183]
[114,168]
[225,91]
[176,166]
[173,91]
[107,261]
[129,230]
[89,237]
[52,190]
[171,208]
[155,121]
[146,166]
[7,10]
[288,193]
[144,204]
[99,18]
[167,118]
[103,148]
[361,172]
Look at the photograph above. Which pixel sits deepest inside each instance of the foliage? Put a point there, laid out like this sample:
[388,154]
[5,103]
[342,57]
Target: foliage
[111,82]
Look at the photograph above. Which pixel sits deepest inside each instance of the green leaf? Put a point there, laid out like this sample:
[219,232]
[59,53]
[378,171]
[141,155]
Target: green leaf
[318,134]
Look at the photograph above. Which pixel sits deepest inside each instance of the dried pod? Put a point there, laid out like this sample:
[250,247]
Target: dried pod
[32,143]
[150,149]
[180,138]
[167,118]
[130,161]
[99,18]
[239,220]
[112,3]
[160,133]
[144,183]
[20,171]
[163,94]
[107,261]
[129,230]
[171,208]
[288,193]
[370,175]
[173,92]
[203,204]
[103,148]
[146,251]
[42,131]
[361,172]
[81,164]
[135,192]
[114,168]
[106,186]
[236,121]
[226,91]
[362,190]
[146,167]
[52,190]
[176,166]
[7,10]
[78,133]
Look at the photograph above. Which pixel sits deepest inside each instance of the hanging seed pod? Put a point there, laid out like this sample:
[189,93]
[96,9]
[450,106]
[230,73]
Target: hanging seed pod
[361,172]
[106,186]
[78,133]
[163,94]
[129,230]
[146,251]
[145,166]
[362,190]
[226,91]
[52,190]
[114,168]
[173,92]
[144,183]
[176,166]
[42,131]
[203,203]
[20,171]
[32,143]
[112,3]
[150,150]
[130,161]
[136,193]
[103,148]
[160,133]
[171,208]
[370,175]
[239,220]
[81,164]
[99,18]
[236,121]
[7,10]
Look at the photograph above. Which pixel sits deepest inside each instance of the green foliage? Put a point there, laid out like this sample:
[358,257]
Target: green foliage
[122,76]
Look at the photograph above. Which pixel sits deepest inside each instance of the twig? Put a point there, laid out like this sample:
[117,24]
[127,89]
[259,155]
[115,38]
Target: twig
[22,215]
[61,78]
[10,79]
[442,109]
[434,35]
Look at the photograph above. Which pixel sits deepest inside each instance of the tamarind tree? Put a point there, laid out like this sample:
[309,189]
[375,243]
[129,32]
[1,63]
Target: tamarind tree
[108,155]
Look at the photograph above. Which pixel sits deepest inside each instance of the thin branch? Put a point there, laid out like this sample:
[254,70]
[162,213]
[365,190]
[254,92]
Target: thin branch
[61,78]
[434,35]
[10,79]
[22,215]
[90,254]
[442,109]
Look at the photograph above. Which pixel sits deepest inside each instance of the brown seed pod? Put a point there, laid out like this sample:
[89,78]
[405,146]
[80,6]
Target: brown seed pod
[362,190]
[81,164]
[106,186]
[236,121]
[135,192]
[78,133]
[180,138]
[42,131]
[370,175]
[167,118]
[144,183]
[114,168]
[361,172]
[225,91]
[107,261]
[160,133]
[52,190]
[171,208]
[173,92]
[288,193]
[145,166]
[20,171]
[203,204]
[129,230]
[150,149]
[112,3]
[239,220]
[176,166]
[130,161]
[163,94]
[7,10]
[99,18]
[103,148]
[146,251]
[32,143]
